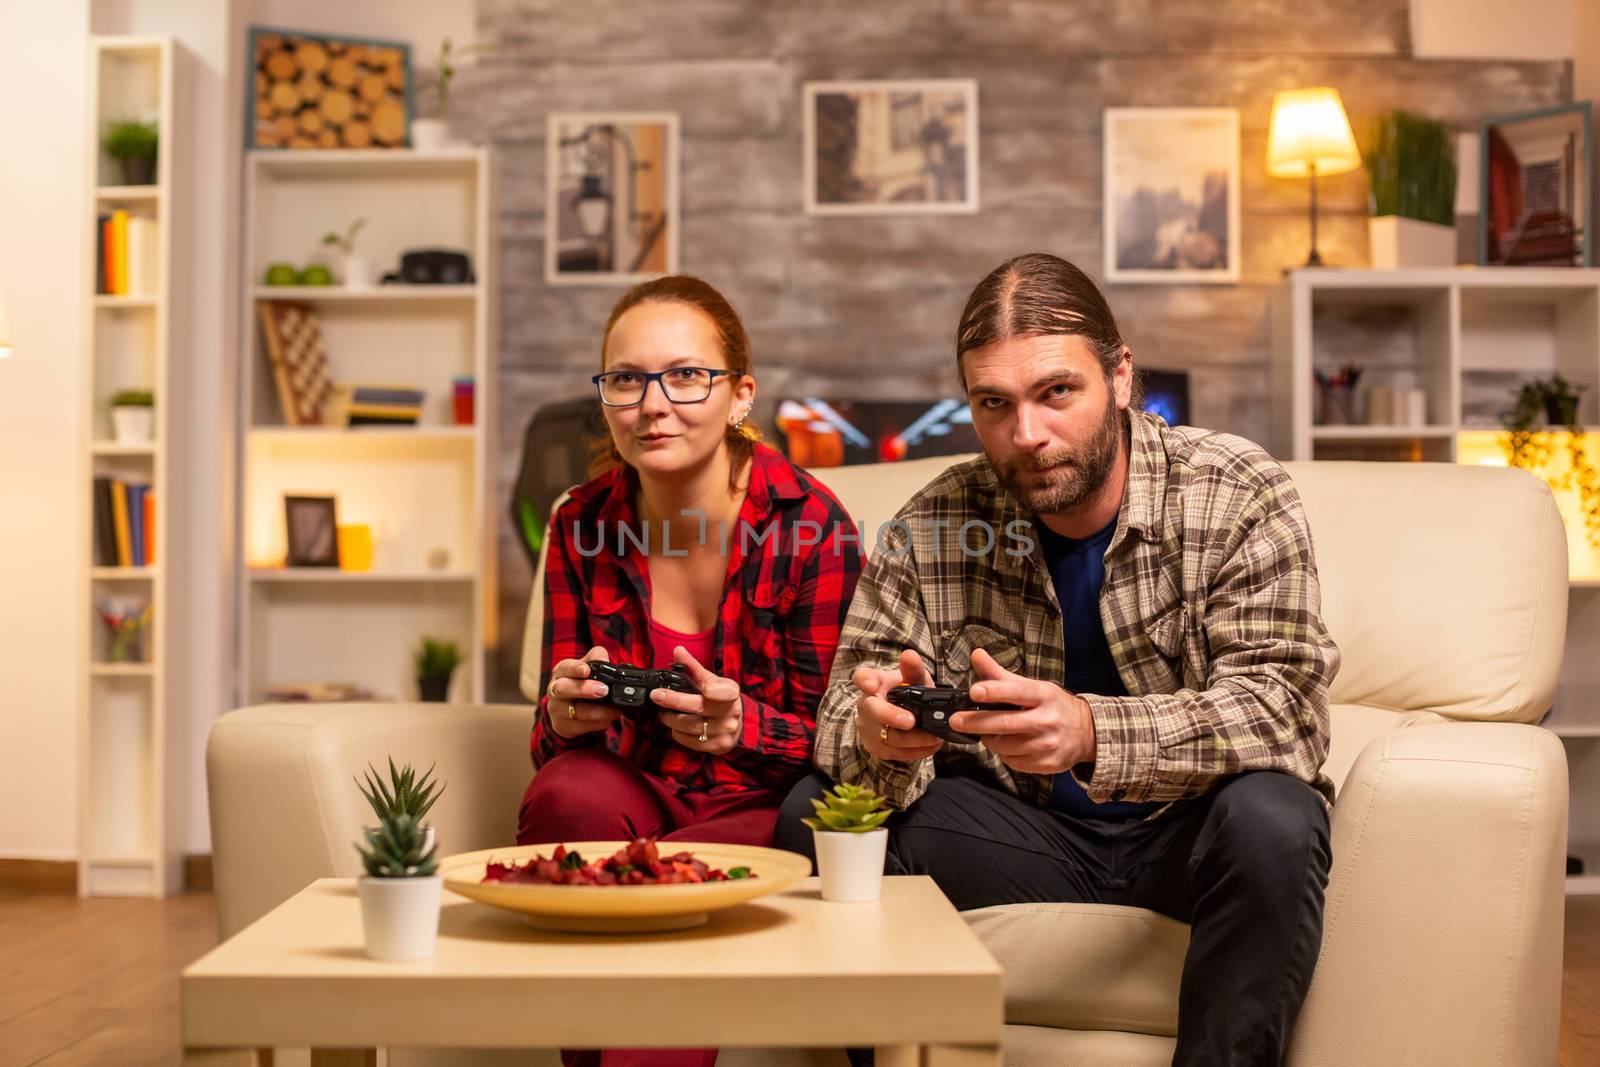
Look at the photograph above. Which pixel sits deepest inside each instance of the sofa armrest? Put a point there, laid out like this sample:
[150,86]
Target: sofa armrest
[1442,937]
[285,809]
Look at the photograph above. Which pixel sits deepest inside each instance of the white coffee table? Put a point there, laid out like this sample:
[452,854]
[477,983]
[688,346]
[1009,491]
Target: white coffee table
[905,974]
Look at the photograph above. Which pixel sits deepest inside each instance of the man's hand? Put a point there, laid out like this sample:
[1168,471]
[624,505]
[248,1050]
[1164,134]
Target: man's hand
[888,732]
[1053,732]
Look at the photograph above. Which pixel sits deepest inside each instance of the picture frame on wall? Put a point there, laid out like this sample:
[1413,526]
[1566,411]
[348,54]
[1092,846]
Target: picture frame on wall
[307,90]
[612,197]
[1171,194]
[903,147]
[1537,175]
[311,524]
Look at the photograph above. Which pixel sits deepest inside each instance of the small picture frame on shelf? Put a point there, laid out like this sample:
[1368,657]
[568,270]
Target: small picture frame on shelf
[312,526]
[1537,175]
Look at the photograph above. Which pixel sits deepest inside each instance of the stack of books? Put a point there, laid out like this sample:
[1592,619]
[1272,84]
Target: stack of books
[382,405]
[126,261]
[124,524]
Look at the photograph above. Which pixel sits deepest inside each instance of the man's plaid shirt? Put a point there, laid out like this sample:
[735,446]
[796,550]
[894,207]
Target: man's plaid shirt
[1211,607]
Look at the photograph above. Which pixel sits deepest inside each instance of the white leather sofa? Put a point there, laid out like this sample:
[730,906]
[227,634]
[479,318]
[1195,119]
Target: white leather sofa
[1445,588]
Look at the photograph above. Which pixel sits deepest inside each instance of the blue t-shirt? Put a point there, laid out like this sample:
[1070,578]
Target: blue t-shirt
[1078,570]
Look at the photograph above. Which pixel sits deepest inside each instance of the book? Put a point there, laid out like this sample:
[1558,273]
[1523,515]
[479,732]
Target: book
[382,420]
[105,525]
[141,256]
[119,252]
[101,279]
[108,280]
[364,394]
[387,411]
[136,524]
[149,527]
[119,512]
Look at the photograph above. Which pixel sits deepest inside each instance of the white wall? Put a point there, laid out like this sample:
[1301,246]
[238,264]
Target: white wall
[1526,29]
[42,63]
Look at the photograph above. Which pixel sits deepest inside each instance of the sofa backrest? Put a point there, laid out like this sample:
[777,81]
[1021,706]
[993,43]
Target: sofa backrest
[1444,586]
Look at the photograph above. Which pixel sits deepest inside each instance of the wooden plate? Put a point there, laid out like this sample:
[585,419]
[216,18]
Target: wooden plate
[624,908]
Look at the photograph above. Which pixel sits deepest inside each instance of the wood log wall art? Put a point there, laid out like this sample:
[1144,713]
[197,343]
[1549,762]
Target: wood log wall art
[315,91]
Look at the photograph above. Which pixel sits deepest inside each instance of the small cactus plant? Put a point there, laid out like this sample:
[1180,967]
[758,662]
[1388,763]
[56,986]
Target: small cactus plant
[398,847]
[850,809]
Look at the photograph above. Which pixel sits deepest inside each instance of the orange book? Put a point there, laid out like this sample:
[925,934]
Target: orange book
[149,527]
[118,252]
[108,276]
[119,512]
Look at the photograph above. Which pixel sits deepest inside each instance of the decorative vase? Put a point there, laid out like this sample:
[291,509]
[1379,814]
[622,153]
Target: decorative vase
[851,865]
[357,271]
[138,170]
[436,690]
[1561,411]
[1397,242]
[132,425]
[400,916]
[429,135]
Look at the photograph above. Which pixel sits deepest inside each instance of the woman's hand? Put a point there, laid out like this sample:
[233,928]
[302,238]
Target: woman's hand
[709,721]
[570,714]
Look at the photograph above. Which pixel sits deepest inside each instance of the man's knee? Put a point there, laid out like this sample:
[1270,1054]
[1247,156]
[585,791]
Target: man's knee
[1271,825]
[791,833]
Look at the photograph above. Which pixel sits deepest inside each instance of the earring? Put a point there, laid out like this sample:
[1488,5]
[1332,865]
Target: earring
[737,423]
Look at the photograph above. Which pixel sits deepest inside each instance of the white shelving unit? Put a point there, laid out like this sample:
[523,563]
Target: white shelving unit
[130,727]
[1468,337]
[420,488]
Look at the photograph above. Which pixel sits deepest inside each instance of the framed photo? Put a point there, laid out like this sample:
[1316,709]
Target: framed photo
[1537,174]
[315,90]
[612,213]
[313,531]
[891,147]
[1171,194]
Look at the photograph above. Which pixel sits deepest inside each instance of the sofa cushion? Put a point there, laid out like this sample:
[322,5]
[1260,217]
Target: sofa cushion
[1087,966]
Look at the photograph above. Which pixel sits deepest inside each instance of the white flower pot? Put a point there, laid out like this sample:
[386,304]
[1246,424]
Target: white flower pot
[1397,242]
[400,916]
[851,865]
[133,425]
[357,271]
[429,135]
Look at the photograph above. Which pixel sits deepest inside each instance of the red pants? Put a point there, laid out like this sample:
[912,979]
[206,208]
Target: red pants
[593,794]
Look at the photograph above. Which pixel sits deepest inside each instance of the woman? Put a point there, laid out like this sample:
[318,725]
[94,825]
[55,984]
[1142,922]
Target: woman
[694,545]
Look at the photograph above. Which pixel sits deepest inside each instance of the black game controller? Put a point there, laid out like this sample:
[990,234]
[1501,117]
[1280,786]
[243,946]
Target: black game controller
[934,704]
[628,688]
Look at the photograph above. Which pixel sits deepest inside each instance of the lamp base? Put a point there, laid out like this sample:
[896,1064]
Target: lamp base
[1314,259]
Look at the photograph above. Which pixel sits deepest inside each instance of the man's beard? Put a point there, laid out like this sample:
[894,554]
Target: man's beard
[1061,480]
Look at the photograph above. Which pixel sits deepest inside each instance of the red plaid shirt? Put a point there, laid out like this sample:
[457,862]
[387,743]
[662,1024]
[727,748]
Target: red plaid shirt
[794,557]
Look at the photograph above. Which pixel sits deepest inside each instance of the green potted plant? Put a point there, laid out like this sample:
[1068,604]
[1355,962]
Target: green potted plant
[1411,170]
[1545,404]
[357,271]
[405,793]
[400,890]
[436,660]
[133,416]
[132,146]
[430,133]
[851,842]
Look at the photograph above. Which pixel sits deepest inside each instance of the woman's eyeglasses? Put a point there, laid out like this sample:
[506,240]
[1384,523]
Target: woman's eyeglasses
[680,385]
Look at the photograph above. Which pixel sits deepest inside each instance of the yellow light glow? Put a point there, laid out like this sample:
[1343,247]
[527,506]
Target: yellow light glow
[1484,448]
[1309,127]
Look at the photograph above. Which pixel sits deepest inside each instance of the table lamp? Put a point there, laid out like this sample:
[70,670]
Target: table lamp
[1309,135]
[5,330]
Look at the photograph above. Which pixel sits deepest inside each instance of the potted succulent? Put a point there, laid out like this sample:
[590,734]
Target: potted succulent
[132,146]
[133,416]
[431,134]
[851,842]
[1411,170]
[401,889]
[357,267]
[436,660]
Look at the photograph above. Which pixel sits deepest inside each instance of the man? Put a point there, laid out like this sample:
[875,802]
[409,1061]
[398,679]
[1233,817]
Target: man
[1148,597]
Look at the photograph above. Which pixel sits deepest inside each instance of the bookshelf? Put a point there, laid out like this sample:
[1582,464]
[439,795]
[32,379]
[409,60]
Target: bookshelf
[1468,337]
[130,728]
[425,490]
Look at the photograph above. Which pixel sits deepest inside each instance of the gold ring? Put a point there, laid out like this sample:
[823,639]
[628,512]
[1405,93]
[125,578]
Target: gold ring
[572,711]
[703,724]
[883,734]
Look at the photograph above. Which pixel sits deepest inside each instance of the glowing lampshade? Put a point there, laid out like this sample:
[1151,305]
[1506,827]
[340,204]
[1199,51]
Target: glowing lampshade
[1310,133]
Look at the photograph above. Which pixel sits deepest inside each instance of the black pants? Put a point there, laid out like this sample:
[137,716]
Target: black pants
[1245,866]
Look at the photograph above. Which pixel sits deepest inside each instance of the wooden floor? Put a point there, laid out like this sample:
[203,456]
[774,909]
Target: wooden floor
[95,981]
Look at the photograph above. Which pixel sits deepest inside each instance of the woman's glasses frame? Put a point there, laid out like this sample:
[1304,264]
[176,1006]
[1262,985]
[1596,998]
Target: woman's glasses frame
[658,377]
